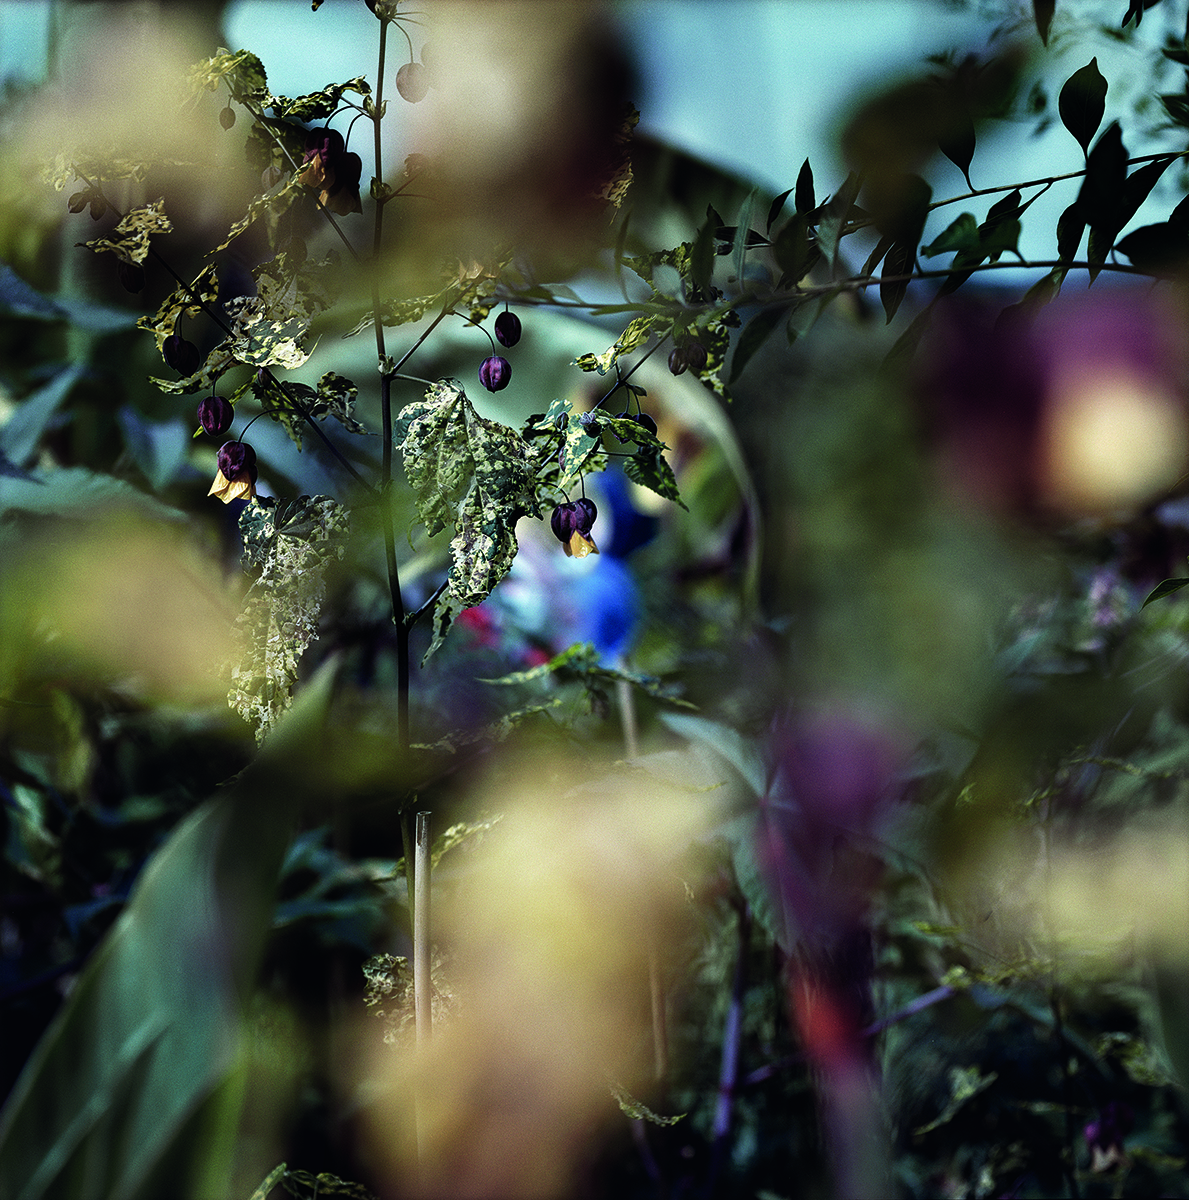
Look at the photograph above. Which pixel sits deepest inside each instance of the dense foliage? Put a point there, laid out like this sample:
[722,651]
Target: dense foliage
[785,696]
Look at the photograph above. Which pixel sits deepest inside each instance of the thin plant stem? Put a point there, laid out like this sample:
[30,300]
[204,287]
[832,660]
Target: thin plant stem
[422,982]
[728,1074]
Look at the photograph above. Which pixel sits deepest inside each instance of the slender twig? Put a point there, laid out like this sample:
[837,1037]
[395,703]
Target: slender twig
[728,1074]
[422,983]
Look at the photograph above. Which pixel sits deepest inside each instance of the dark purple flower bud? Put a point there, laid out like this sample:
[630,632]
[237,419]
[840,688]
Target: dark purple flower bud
[131,275]
[696,356]
[235,457]
[180,354]
[215,415]
[564,521]
[585,514]
[507,328]
[677,360]
[646,422]
[495,373]
[412,81]
[227,117]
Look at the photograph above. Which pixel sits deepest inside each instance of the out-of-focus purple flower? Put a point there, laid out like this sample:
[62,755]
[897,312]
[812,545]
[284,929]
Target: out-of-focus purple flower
[1080,411]
[495,373]
[215,414]
[1105,1135]
[332,171]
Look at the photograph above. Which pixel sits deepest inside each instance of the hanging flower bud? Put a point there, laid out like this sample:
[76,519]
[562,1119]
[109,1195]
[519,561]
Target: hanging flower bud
[646,422]
[180,354]
[495,373]
[131,275]
[571,523]
[227,117]
[677,360]
[412,81]
[215,415]
[507,328]
[696,356]
[236,476]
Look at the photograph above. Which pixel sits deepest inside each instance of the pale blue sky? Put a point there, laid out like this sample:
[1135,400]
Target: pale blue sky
[753,85]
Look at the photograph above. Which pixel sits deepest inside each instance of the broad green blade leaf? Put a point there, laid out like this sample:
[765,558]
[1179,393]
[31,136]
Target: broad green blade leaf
[470,474]
[739,249]
[753,336]
[152,1027]
[727,744]
[1042,13]
[958,141]
[794,249]
[1082,102]
[1165,588]
[1161,250]
[961,235]
[803,198]
[829,231]
[21,433]
[701,257]
[775,207]
[1101,196]
[899,262]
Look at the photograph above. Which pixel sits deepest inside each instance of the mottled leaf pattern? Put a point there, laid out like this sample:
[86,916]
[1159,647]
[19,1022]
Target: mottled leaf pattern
[129,241]
[472,475]
[181,301]
[291,542]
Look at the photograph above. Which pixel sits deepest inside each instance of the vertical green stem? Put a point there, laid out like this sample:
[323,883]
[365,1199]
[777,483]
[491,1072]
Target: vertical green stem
[422,980]
[388,529]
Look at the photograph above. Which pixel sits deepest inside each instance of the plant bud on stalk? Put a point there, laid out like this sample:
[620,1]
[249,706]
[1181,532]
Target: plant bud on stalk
[495,373]
[646,422]
[227,117]
[507,329]
[678,360]
[215,415]
[180,354]
[236,476]
[571,523]
[131,275]
[412,82]
[696,356]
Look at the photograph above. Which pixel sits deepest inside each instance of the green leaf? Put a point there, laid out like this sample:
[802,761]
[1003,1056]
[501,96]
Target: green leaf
[701,258]
[755,333]
[958,138]
[651,469]
[1070,227]
[775,207]
[794,249]
[292,543]
[637,331]
[1161,250]
[1002,237]
[1139,187]
[129,241]
[23,431]
[1165,588]
[1081,103]
[153,1025]
[472,475]
[270,1181]
[639,1111]
[1101,195]
[961,235]
[243,71]
[829,230]
[803,199]
[183,300]
[739,249]
[316,106]
[275,201]
[803,318]
[73,490]
[1042,13]
[899,261]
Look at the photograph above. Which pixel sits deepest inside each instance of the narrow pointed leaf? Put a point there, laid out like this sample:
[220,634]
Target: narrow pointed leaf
[775,207]
[793,248]
[701,257]
[1139,187]
[1042,12]
[1070,227]
[1166,588]
[962,234]
[877,255]
[1161,250]
[1081,103]
[753,335]
[898,262]
[804,198]
[739,249]
[1101,194]
[958,142]
[829,231]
